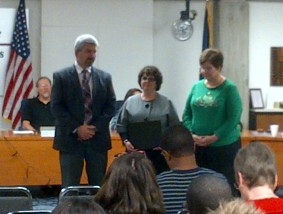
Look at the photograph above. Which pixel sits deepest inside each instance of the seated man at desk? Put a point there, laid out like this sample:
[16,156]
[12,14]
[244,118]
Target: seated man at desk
[36,111]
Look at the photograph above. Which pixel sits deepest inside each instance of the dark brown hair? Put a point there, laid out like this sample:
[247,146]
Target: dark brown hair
[130,186]
[78,205]
[151,71]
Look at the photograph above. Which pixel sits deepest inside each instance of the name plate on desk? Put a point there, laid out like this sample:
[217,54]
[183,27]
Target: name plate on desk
[47,131]
[23,132]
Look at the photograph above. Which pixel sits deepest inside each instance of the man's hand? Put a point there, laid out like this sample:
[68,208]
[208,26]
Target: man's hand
[85,132]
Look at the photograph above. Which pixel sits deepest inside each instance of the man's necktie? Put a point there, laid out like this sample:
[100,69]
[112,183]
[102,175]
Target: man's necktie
[86,96]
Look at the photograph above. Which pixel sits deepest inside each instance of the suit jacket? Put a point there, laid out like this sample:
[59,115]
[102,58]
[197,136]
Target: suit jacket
[67,106]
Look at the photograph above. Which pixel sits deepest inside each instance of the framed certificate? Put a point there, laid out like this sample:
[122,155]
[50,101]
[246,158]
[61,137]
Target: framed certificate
[256,101]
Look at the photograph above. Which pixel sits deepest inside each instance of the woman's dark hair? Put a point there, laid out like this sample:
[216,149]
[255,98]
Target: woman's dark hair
[79,205]
[151,71]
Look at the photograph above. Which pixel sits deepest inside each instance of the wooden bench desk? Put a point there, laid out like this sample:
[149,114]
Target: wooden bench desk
[275,143]
[30,159]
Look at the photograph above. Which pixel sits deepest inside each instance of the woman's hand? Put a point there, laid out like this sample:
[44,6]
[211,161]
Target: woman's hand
[129,146]
[205,140]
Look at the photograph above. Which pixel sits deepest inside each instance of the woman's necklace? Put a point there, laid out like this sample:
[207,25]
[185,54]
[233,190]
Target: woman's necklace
[215,83]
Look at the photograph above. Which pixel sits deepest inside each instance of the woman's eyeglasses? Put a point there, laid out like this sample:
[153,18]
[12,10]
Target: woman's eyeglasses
[149,79]
[207,69]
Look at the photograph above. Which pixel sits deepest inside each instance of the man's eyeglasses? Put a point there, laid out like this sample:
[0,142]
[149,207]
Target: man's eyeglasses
[149,79]
[165,154]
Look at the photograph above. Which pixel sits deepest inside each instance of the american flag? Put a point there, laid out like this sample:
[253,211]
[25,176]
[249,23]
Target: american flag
[207,40]
[18,79]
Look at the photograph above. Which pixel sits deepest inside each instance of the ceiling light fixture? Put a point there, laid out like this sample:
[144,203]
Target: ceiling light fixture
[183,28]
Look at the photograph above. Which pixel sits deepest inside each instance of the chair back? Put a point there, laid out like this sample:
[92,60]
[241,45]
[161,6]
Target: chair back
[31,212]
[78,191]
[15,199]
[118,105]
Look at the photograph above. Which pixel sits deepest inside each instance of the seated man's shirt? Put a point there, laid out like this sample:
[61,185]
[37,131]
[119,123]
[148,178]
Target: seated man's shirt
[174,185]
[37,113]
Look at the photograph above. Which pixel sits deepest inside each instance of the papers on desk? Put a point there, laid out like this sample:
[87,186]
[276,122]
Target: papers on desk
[47,131]
[23,132]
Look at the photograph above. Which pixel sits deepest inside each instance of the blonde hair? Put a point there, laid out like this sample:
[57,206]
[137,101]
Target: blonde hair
[236,206]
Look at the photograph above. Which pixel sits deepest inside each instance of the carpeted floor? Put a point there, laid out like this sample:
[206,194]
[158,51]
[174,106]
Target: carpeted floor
[44,198]
[48,203]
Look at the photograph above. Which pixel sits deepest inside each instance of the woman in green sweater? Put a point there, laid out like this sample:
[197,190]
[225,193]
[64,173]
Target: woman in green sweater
[212,113]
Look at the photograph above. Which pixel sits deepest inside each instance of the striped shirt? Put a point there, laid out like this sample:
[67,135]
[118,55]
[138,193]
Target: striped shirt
[174,185]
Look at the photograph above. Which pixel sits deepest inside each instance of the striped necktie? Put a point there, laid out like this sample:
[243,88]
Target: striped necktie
[86,96]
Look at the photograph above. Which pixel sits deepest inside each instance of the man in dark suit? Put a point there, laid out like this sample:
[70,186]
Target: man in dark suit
[83,102]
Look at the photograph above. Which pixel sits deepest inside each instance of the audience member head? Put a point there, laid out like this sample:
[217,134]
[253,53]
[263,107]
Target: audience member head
[43,85]
[151,72]
[78,206]
[85,39]
[130,186]
[236,206]
[177,141]
[132,92]
[205,192]
[255,166]
[212,56]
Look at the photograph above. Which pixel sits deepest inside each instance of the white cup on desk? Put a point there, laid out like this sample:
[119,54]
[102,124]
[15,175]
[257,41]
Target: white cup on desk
[274,128]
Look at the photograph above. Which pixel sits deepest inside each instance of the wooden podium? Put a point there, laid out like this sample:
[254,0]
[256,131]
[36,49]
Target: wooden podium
[28,159]
[262,118]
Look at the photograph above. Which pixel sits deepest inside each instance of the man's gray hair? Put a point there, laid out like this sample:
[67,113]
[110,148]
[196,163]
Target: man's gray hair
[83,39]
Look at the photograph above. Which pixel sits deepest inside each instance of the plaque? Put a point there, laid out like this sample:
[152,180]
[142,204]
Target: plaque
[276,64]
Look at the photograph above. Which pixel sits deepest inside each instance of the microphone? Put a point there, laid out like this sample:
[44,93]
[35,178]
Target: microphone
[147,106]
